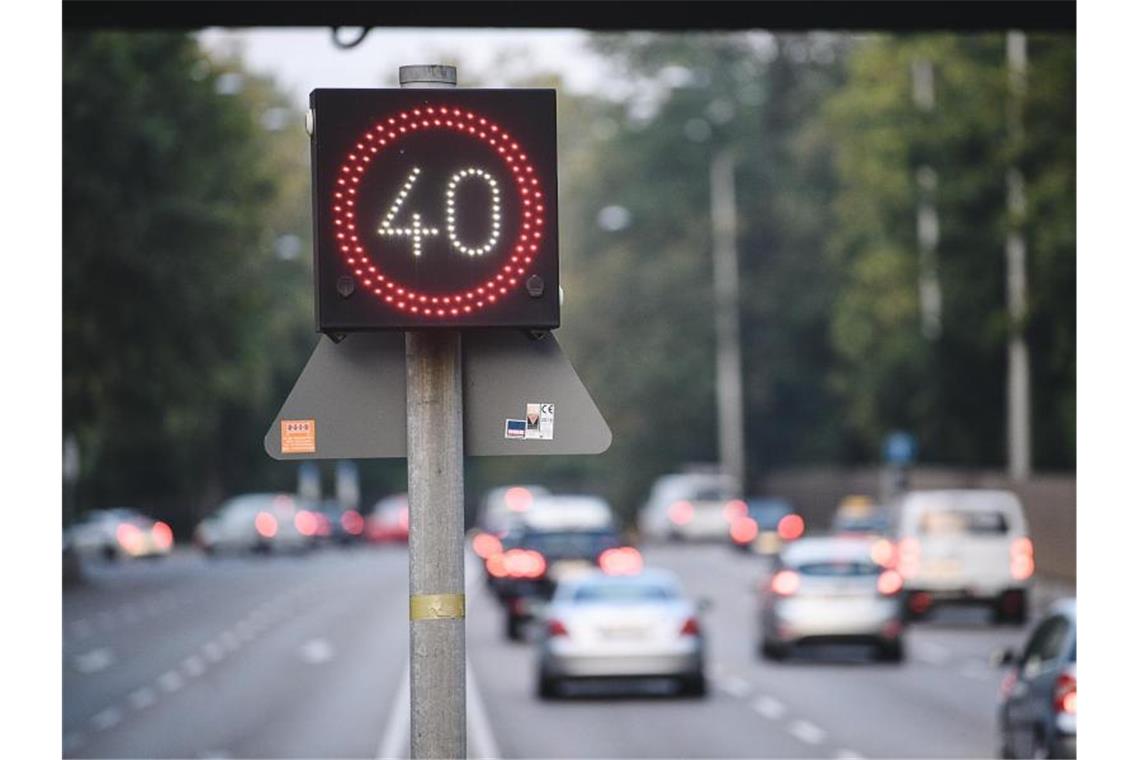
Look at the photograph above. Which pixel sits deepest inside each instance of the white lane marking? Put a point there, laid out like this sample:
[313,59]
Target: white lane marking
[735,686]
[847,754]
[142,698]
[230,641]
[108,718]
[807,732]
[316,651]
[932,653]
[483,744]
[193,666]
[72,741]
[394,740]
[769,707]
[213,651]
[94,661]
[170,681]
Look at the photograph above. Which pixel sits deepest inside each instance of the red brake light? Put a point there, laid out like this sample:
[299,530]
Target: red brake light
[790,527]
[743,530]
[129,537]
[785,582]
[1021,558]
[305,522]
[403,518]
[496,565]
[352,522]
[486,544]
[556,628]
[890,583]
[518,499]
[681,512]
[691,627]
[622,561]
[266,525]
[524,563]
[1065,694]
[883,553]
[909,552]
[163,535]
[734,509]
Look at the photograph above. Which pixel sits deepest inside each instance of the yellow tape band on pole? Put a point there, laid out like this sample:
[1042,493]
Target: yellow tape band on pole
[438,606]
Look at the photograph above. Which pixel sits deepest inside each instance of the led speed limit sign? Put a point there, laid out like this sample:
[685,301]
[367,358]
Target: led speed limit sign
[435,208]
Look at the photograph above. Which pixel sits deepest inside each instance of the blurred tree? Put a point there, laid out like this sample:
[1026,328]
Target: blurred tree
[177,305]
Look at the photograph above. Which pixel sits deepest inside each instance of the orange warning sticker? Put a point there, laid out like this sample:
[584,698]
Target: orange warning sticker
[298,436]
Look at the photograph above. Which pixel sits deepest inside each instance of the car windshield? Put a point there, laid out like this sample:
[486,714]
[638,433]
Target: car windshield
[767,514]
[632,591]
[569,544]
[963,522]
[838,569]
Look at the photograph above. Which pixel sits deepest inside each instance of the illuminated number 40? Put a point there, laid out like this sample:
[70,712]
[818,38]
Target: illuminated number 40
[418,231]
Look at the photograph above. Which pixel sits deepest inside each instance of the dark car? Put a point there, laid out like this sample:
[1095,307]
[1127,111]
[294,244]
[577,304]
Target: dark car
[337,524]
[1037,709]
[531,562]
[765,525]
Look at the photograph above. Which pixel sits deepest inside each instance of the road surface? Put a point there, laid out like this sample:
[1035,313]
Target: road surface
[306,656]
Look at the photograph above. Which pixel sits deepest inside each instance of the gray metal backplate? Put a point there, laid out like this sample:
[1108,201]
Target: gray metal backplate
[355,390]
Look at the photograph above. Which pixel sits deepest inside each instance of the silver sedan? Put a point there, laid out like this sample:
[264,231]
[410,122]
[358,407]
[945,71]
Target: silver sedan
[621,626]
[831,590]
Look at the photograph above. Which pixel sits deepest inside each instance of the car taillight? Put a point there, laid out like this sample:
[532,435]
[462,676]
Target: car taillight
[908,556]
[681,512]
[624,560]
[352,522]
[305,522]
[163,535]
[403,518]
[785,582]
[486,544]
[790,527]
[1021,558]
[524,563]
[496,565]
[129,537]
[265,524]
[556,628]
[734,509]
[743,530]
[890,583]
[1065,694]
[518,499]
[691,627]
[883,553]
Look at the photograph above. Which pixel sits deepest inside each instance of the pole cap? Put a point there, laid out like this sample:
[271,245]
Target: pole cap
[436,74]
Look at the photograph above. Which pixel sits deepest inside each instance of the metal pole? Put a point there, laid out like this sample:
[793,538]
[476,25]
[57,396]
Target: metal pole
[435,535]
[1018,391]
[726,289]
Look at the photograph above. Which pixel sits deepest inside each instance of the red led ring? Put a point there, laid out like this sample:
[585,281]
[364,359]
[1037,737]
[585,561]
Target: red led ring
[386,132]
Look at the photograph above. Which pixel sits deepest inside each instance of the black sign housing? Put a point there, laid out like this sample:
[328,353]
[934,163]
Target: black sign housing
[435,208]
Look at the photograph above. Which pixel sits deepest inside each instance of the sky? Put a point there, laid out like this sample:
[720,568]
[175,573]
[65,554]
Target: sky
[303,59]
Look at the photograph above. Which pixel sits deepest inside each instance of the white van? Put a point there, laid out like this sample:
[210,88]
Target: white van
[964,546]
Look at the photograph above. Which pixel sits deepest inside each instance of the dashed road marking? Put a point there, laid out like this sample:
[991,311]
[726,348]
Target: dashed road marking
[735,686]
[94,661]
[106,719]
[142,698]
[193,666]
[230,641]
[769,707]
[170,681]
[213,651]
[807,732]
[316,651]
[932,653]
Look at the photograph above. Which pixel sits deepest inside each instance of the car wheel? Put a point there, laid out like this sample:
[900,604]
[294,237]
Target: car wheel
[890,651]
[771,651]
[547,687]
[515,628]
[694,685]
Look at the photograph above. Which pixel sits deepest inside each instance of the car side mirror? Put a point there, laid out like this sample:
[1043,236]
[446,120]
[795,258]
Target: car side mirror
[1003,658]
[704,604]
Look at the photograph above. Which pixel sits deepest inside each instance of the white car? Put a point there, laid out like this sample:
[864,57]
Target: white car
[568,512]
[621,626]
[964,547]
[119,533]
[697,506]
[257,522]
